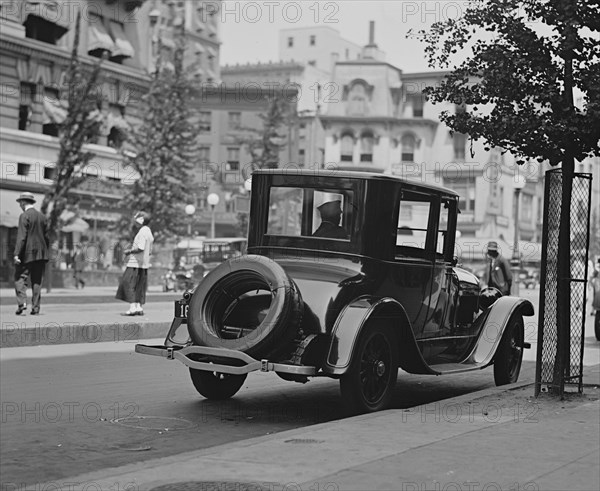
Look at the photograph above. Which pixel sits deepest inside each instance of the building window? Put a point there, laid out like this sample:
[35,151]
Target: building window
[54,114]
[118,126]
[357,100]
[460,144]
[26,105]
[235,120]
[366,147]
[49,173]
[408,143]
[290,42]
[23,169]
[527,205]
[44,23]
[204,155]
[347,148]
[301,156]
[417,105]
[313,40]
[465,187]
[205,117]
[233,158]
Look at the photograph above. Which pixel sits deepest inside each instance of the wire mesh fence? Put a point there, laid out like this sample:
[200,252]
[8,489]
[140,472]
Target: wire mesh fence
[560,354]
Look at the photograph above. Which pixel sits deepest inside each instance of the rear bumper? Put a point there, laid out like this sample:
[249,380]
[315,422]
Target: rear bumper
[221,360]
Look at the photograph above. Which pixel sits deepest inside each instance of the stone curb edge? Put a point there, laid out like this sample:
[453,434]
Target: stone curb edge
[54,333]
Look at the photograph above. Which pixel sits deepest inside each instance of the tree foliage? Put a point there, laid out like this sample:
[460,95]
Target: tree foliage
[515,79]
[265,144]
[81,125]
[164,149]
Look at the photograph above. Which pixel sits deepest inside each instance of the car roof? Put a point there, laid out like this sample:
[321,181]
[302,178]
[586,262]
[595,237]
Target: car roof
[346,174]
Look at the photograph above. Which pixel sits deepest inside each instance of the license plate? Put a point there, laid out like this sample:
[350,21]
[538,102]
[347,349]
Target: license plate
[181,309]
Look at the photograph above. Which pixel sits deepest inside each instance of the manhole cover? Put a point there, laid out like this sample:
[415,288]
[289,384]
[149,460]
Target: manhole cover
[154,423]
[213,486]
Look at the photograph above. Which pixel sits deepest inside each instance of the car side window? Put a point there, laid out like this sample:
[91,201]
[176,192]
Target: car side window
[311,212]
[413,219]
[442,236]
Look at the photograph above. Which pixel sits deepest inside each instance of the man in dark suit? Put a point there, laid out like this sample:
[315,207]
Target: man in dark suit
[31,253]
[331,213]
[497,273]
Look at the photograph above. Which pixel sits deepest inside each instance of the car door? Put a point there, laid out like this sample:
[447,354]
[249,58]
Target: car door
[440,333]
[414,255]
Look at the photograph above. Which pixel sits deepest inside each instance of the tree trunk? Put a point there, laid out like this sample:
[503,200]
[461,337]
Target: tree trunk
[563,300]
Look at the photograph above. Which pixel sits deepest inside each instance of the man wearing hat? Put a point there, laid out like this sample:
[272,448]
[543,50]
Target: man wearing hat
[497,274]
[331,214]
[31,254]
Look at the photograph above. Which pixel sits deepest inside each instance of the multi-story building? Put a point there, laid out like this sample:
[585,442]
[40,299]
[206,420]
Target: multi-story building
[231,122]
[382,121]
[318,46]
[305,80]
[36,39]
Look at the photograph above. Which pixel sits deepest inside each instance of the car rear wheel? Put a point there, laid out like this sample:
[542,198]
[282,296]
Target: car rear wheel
[369,383]
[216,386]
[508,359]
[247,304]
[597,325]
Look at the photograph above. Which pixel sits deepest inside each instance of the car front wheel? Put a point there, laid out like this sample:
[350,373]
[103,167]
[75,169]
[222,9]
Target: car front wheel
[216,386]
[507,363]
[369,384]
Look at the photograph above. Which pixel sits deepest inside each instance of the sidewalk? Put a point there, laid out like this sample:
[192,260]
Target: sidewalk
[497,439]
[91,315]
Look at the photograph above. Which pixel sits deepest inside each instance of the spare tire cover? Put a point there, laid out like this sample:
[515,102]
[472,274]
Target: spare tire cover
[227,287]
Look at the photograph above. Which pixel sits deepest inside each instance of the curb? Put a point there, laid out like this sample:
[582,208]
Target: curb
[54,333]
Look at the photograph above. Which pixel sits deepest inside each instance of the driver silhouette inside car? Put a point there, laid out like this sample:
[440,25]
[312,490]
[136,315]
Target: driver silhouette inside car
[331,214]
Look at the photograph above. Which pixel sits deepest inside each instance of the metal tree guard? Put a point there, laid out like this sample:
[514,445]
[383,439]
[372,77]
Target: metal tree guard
[567,359]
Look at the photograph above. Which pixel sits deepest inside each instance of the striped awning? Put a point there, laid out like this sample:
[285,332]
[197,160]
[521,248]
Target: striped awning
[98,37]
[123,47]
[53,111]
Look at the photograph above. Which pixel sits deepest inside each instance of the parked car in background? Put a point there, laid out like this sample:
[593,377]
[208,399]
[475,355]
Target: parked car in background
[350,276]
[194,258]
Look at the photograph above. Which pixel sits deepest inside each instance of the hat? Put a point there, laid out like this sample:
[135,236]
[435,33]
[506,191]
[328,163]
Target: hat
[492,246]
[144,215]
[26,197]
[330,208]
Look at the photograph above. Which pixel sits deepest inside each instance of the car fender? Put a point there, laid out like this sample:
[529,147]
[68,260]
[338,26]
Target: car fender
[494,324]
[350,324]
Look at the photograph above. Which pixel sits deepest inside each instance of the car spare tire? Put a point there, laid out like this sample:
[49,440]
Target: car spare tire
[248,304]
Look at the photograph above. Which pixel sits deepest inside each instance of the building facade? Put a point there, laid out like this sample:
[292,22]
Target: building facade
[381,121]
[36,40]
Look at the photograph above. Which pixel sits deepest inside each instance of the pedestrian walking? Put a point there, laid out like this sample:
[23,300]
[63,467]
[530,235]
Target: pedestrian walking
[78,265]
[30,255]
[497,273]
[134,283]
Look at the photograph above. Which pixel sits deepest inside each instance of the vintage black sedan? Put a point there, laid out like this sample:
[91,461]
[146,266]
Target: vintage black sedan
[348,275]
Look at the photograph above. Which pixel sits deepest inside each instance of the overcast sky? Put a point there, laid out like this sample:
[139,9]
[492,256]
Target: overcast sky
[249,29]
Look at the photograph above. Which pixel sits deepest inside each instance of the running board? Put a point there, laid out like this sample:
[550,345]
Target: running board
[182,353]
[449,368]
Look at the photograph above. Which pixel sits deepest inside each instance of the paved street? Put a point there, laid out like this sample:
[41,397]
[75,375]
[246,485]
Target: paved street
[80,408]
[76,408]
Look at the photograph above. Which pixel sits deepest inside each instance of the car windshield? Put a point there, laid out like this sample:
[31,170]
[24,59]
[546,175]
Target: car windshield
[324,213]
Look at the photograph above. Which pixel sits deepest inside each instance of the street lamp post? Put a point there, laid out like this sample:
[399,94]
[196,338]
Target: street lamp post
[189,211]
[518,184]
[213,200]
